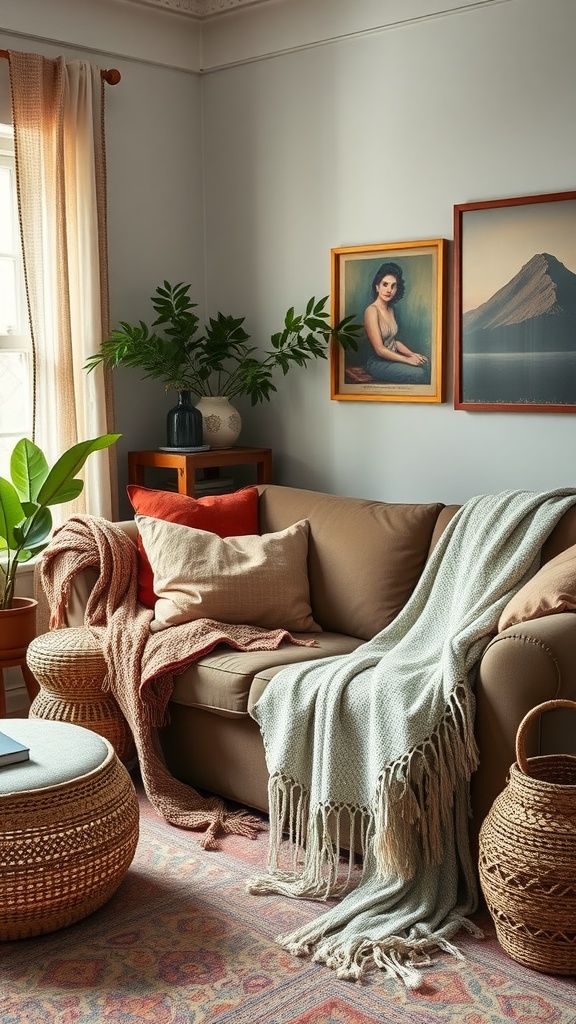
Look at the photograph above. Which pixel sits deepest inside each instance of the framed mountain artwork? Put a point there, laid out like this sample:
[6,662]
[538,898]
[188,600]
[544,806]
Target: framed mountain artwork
[515,304]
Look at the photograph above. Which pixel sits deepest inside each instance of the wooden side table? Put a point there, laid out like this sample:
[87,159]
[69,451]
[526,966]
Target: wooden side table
[187,464]
[19,661]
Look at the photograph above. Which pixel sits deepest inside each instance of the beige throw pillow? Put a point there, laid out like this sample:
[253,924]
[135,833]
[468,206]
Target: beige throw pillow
[253,580]
[552,589]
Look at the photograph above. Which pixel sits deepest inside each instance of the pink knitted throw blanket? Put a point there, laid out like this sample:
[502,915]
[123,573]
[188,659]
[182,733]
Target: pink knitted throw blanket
[141,665]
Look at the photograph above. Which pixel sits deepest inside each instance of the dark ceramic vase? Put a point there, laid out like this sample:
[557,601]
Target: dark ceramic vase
[184,424]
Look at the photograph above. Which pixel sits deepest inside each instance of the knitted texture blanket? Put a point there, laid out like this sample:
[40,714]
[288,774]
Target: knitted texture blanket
[382,740]
[141,665]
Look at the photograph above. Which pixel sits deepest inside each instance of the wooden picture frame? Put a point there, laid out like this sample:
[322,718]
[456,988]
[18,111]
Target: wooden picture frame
[418,313]
[515,304]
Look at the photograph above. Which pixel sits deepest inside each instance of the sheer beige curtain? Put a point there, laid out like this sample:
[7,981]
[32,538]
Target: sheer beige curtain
[58,112]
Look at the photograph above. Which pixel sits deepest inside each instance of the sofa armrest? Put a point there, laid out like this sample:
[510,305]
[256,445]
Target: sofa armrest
[523,666]
[83,583]
[80,590]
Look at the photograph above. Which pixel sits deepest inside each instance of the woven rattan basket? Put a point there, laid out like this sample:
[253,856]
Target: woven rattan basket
[69,666]
[64,849]
[527,859]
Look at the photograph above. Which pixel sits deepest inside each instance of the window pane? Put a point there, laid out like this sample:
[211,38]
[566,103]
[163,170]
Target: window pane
[15,407]
[6,446]
[15,345]
[8,301]
[6,210]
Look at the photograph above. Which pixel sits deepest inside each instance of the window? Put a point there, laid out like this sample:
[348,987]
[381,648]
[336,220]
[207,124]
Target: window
[15,342]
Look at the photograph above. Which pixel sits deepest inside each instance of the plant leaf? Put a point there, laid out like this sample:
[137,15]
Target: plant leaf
[60,485]
[35,529]
[11,513]
[28,469]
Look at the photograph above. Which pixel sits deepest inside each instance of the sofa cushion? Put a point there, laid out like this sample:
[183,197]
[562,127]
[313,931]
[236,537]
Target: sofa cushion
[229,682]
[552,589]
[260,581]
[364,557]
[228,515]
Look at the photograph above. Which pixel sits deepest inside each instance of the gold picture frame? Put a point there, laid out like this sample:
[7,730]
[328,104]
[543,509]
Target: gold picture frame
[418,310]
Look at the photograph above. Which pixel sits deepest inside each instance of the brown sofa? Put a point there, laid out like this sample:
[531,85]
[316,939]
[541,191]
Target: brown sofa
[365,558]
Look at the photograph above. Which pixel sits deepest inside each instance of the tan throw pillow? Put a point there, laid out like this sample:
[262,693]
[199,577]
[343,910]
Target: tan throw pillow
[253,580]
[552,589]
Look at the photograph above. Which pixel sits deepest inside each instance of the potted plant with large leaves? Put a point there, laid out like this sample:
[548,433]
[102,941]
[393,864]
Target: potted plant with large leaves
[217,360]
[26,525]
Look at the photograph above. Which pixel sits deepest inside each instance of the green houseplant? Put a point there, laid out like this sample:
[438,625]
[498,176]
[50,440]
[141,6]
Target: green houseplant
[218,359]
[25,517]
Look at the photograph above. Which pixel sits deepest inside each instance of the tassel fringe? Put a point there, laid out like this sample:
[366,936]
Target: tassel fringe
[398,957]
[311,859]
[419,789]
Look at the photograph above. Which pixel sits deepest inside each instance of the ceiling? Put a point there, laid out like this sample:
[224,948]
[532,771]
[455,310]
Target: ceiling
[198,8]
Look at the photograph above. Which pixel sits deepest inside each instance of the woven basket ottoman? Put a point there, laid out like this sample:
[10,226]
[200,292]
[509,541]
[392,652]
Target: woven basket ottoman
[69,822]
[69,667]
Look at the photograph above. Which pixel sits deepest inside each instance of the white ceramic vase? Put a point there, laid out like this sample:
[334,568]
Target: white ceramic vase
[221,422]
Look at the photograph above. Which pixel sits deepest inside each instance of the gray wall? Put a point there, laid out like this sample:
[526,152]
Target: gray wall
[370,139]
[370,136]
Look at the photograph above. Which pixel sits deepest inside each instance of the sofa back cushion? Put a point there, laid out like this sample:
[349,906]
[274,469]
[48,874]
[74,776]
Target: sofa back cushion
[446,515]
[364,557]
[563,535]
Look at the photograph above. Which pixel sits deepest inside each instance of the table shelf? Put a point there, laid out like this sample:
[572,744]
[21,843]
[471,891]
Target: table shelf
[187,464]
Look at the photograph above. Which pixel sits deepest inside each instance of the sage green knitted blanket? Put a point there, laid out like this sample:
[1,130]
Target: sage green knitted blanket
[383,738]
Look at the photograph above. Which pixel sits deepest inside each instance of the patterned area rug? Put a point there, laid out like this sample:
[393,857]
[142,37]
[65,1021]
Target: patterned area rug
[181,942]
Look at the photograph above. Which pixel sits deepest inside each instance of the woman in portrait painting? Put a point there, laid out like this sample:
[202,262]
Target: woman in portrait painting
[390,361]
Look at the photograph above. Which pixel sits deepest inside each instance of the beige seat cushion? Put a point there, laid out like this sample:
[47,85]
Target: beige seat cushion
[229,682]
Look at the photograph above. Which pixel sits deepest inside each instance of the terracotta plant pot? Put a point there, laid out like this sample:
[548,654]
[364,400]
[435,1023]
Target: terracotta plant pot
[17,628]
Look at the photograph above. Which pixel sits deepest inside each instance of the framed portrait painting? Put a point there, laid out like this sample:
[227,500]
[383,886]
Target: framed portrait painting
[396,290]
[515,304]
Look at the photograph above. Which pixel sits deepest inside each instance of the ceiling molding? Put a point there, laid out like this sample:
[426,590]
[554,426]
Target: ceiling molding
[197,8]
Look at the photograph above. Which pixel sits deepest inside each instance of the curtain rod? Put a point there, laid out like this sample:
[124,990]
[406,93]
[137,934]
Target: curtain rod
[112,76]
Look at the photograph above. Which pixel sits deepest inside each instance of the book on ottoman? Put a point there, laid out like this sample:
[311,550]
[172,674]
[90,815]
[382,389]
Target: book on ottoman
[11,751]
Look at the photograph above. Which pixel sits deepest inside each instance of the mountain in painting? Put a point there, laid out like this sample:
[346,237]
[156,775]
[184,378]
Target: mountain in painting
[534,312]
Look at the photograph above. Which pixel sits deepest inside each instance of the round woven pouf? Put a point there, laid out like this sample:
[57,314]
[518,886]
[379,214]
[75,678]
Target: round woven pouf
[68,827]
[69,667]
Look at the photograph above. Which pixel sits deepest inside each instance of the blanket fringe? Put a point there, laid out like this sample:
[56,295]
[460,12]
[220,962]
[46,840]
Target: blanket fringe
[417,791]
[398,957]
[308,857]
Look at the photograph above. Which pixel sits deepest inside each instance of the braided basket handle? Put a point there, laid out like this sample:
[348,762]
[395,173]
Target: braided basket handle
[549,705]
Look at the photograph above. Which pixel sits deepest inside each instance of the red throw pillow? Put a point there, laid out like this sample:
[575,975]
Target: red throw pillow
[227,515]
